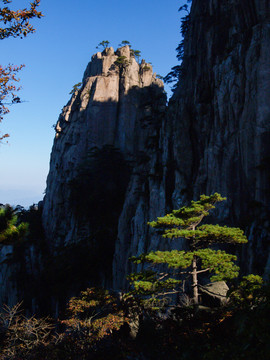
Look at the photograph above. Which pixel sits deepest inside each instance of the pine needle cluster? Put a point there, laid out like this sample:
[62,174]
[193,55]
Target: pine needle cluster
[200,258]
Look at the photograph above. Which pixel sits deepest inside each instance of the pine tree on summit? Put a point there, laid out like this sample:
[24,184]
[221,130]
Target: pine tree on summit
[200,258]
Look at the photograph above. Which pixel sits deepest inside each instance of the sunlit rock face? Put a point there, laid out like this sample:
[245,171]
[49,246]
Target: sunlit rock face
[120,104]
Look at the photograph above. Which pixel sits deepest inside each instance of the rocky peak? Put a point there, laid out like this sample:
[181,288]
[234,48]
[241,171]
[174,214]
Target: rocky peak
[120,104]
[215,137]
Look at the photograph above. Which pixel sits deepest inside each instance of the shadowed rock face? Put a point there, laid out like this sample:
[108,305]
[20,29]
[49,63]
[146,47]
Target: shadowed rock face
[216,136]
[221,117]
[120,105]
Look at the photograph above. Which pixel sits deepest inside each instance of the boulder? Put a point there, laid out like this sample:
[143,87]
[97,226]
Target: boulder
[214,294]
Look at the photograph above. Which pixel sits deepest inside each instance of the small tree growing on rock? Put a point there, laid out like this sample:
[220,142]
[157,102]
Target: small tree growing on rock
[124,43]
[121,62]
[103,44]
[137,54]
[200,258]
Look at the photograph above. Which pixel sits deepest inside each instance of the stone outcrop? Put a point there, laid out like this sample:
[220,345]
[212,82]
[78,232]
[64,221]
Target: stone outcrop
[120,104]
[214,294]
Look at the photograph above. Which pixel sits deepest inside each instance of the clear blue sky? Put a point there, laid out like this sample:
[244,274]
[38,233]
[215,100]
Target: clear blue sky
[55,58]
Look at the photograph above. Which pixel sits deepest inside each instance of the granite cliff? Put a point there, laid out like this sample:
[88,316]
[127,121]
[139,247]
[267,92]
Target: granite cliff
[114,118]
[216,134]
[121,157]
[220,117]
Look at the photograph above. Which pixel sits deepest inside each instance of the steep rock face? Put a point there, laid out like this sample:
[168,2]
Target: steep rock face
[216,136]
[120,104]
[222,116]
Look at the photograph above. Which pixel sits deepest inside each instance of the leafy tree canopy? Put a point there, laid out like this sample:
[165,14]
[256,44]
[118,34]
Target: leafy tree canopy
[14,23]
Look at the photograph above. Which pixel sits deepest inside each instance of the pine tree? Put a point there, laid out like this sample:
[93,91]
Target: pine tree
[200,258]
[10,232]
[103,44]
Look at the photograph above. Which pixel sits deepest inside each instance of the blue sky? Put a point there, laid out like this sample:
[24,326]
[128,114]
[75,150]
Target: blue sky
[55,58]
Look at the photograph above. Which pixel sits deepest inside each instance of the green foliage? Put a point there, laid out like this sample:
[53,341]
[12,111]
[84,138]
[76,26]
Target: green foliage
[121,62]
[97,327]
[124,43]
[183,223]
[137,54]
[33,217]
[208,234]
[149,282]
[178,71]
[189,216]
[248,292]
[145,68]
[216,261]
[103,45]
[75,88]
[10,231]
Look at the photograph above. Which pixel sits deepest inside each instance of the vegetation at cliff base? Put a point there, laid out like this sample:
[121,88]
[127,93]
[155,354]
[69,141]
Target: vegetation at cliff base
[100,324]
[139,324]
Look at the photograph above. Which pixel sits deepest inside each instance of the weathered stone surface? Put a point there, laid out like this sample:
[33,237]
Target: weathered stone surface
[118,105]
[216,135]
[214,294]
[221,116]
